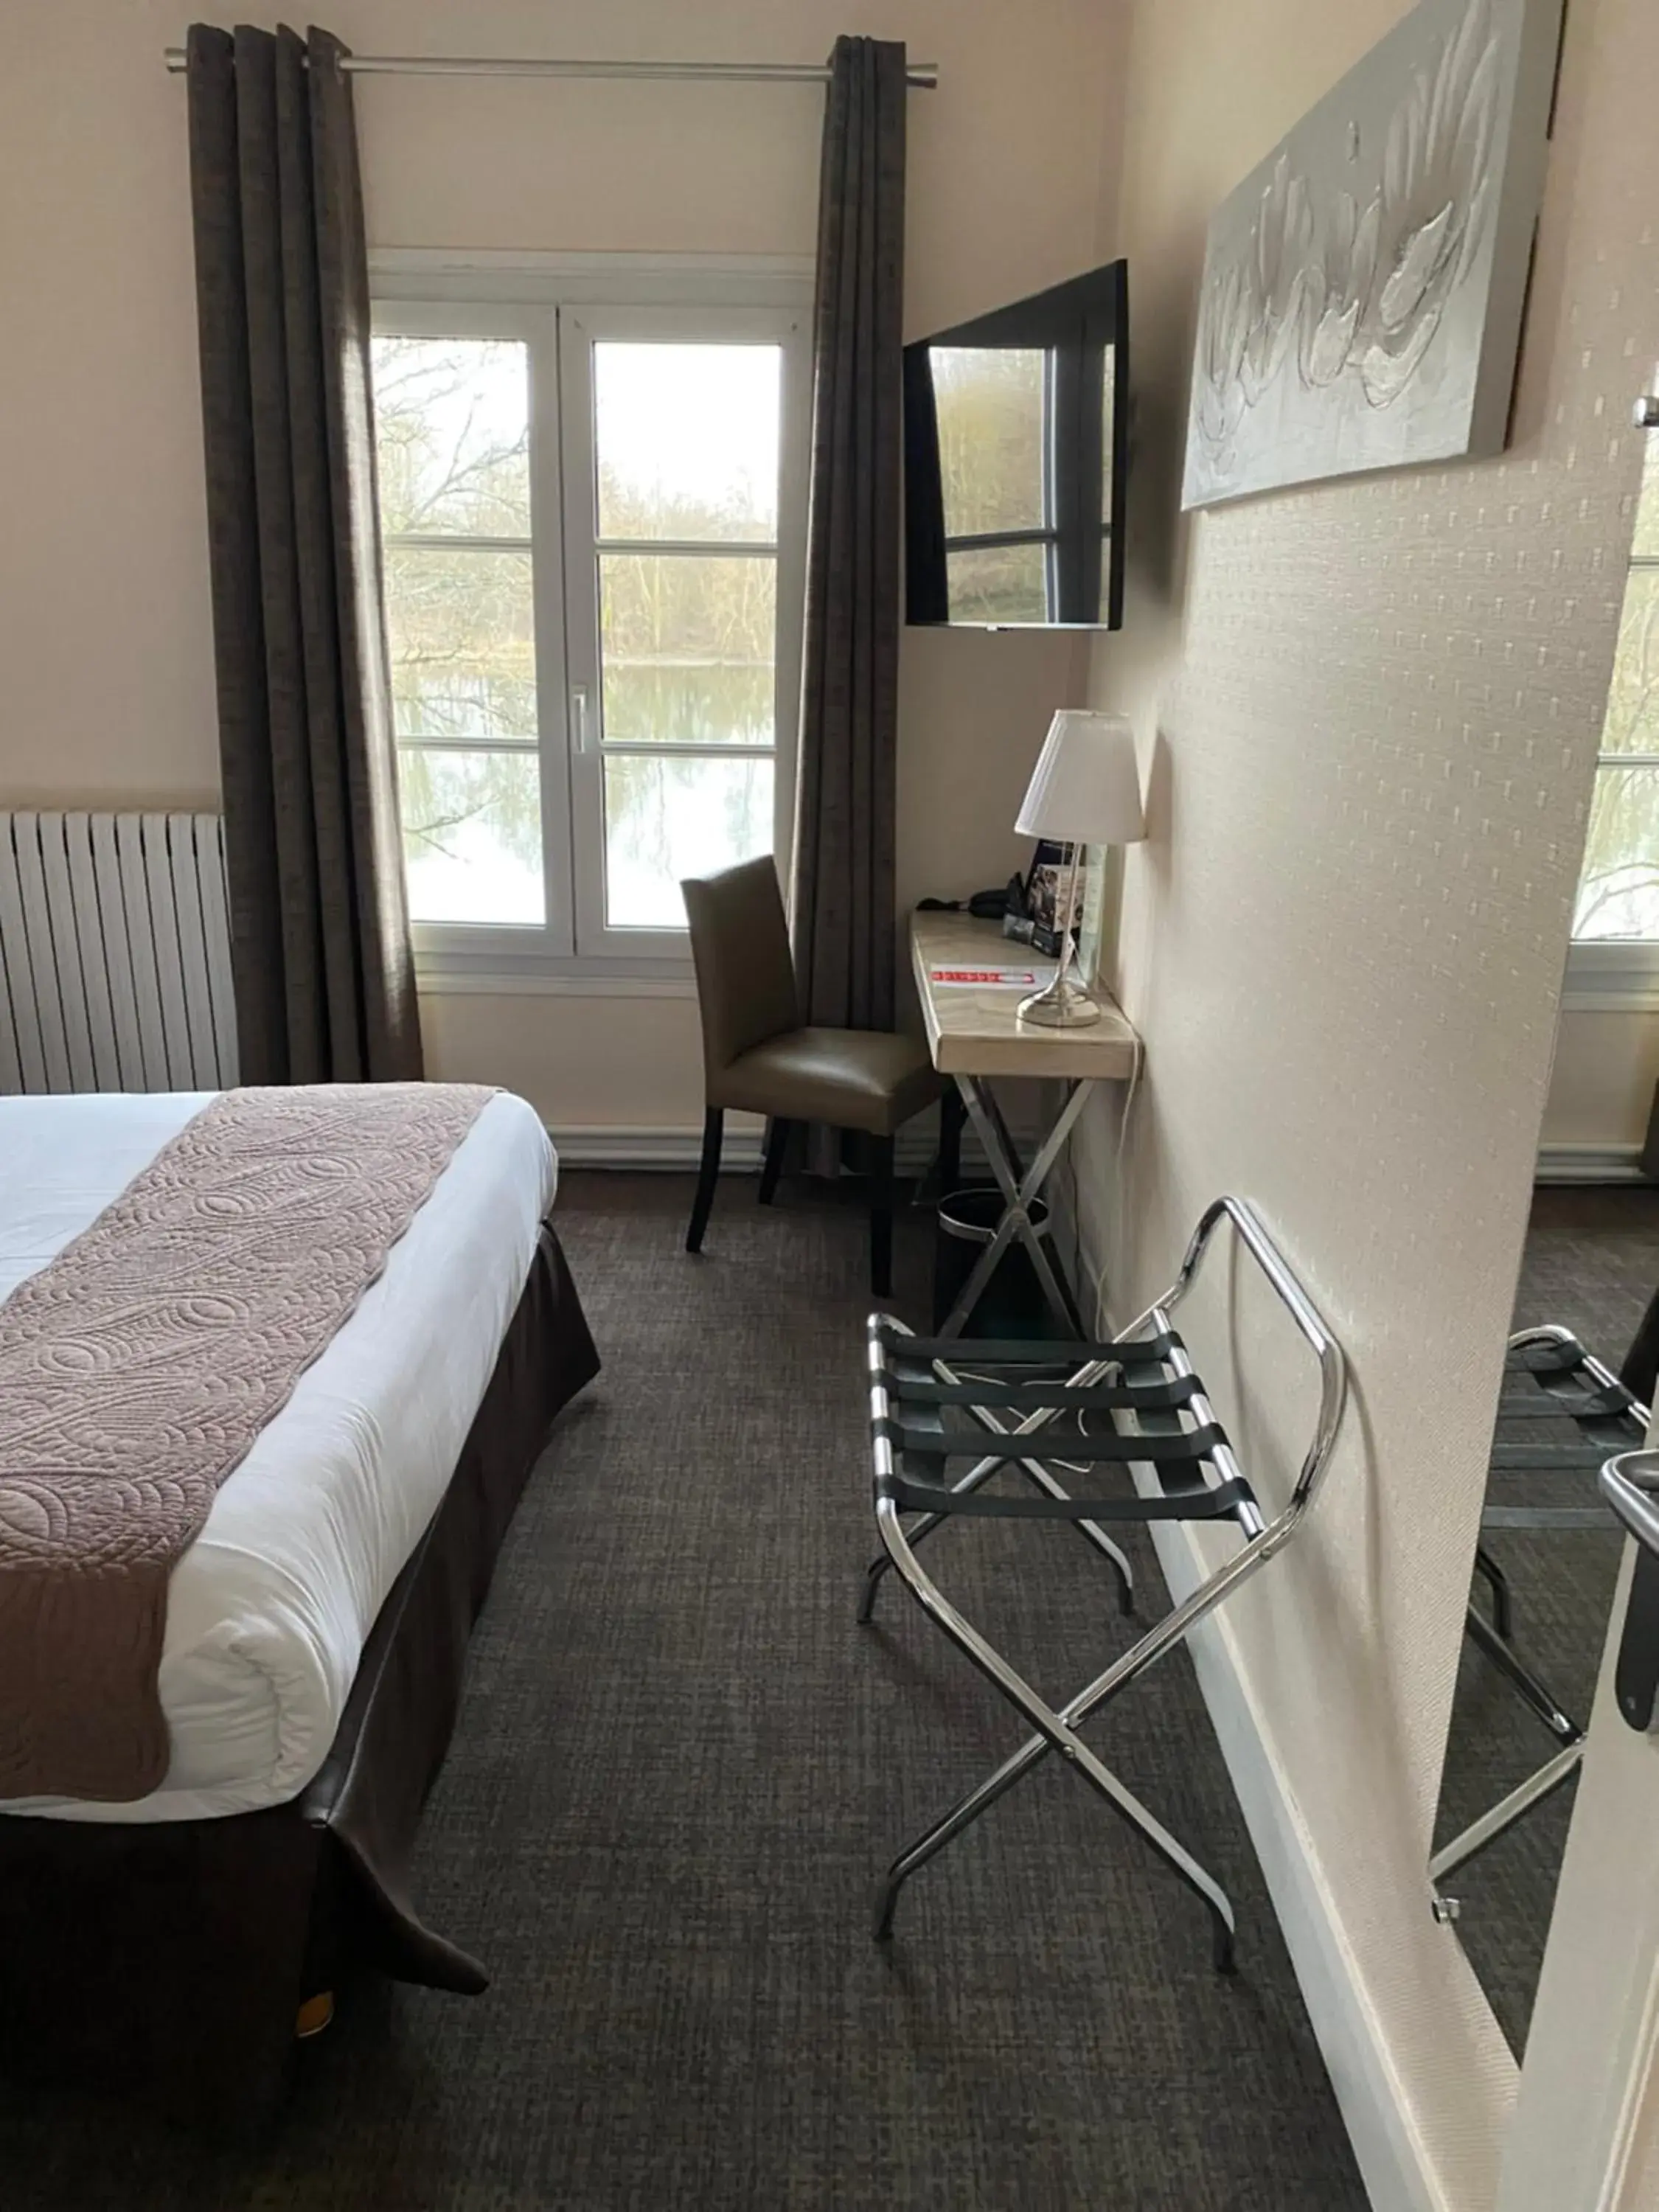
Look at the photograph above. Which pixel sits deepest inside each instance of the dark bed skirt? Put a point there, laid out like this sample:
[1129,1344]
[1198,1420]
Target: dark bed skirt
[169,1962]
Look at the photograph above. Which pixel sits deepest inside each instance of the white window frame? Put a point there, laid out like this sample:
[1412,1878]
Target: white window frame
[558,305]
[580,329]
[1616,975]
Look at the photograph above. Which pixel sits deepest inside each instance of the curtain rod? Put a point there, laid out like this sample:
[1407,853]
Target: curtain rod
[924,76]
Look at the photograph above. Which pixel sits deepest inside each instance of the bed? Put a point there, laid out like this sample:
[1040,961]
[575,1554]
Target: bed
[314,1635]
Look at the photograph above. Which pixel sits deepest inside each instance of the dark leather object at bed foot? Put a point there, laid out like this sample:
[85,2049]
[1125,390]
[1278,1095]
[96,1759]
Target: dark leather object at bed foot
[169,1962]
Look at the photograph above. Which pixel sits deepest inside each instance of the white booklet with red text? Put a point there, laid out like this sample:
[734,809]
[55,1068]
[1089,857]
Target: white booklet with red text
[994,977]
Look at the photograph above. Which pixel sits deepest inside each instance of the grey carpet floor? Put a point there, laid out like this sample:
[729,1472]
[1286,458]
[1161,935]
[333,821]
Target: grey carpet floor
[680,1766]
[1591,1262]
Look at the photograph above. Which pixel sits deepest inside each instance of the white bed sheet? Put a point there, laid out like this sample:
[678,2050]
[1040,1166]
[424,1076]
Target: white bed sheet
[269,1607]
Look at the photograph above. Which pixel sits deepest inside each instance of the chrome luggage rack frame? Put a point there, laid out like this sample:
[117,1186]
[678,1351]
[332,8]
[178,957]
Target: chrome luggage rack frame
[1193,1474]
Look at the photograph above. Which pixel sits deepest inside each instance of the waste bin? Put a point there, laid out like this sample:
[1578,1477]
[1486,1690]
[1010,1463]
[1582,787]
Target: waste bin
[1012,1303]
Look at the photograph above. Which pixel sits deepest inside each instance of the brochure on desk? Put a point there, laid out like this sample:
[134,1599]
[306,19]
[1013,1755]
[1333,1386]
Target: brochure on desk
[998,976]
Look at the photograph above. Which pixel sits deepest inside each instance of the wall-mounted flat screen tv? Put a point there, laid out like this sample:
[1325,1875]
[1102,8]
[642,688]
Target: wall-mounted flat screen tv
[1015,448]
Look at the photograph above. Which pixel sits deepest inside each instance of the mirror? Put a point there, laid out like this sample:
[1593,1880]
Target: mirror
[1541,1592]
[1579,1378]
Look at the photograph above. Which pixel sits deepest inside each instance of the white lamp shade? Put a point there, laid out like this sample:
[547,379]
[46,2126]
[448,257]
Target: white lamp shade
[1086,787]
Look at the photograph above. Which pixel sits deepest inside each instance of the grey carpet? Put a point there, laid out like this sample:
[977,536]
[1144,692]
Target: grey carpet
[1591,1262]
[679,1767]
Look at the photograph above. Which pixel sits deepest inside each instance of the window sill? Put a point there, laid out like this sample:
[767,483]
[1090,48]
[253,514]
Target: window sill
[1612,977]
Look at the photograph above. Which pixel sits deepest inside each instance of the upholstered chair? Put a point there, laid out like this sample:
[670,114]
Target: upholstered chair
[759,1057]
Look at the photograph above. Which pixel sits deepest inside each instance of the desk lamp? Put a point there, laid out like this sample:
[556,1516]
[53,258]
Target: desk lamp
[1084,790]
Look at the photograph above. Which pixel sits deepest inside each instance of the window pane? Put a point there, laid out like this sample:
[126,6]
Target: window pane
[990,404]
[451,419]
[462,628]
[1632,723]
[686,643]
[1619,893]
[472,835]
[665,818]
[998,583]
[688,440]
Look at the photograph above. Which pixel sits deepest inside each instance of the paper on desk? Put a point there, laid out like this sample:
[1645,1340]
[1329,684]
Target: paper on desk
[990,979]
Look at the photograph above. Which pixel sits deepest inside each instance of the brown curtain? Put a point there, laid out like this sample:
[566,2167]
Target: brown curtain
[320,930]
[843,918]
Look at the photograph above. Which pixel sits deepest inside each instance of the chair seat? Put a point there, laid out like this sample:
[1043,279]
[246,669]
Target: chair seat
[852,1078]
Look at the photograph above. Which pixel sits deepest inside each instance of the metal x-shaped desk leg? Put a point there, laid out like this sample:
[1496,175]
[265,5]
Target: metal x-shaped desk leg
[1018,1190]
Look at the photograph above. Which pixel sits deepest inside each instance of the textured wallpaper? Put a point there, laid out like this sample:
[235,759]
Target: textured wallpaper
[1369,711]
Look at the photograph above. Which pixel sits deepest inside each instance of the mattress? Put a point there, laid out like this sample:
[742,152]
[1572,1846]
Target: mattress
[270,1608]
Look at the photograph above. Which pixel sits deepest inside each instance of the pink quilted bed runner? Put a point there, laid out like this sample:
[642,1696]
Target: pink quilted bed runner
[136,1369]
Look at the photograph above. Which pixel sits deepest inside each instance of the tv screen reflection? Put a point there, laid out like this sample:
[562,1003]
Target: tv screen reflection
[1014,462]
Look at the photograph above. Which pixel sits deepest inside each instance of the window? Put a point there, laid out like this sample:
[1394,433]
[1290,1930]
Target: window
[1619,888]
[594,526]
[453,417]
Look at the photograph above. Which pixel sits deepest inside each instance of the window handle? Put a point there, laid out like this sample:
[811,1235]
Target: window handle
[579,716]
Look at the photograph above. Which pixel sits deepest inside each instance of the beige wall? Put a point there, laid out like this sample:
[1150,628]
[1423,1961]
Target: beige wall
[1370,714]
[103,616]
[1607,1063]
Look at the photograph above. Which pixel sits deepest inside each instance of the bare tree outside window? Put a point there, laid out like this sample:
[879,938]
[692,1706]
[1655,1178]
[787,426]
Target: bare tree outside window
[453,433]
[684,543]
[687,456]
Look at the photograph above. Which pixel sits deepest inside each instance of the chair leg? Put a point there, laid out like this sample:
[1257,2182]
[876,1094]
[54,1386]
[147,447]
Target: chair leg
[881,1216]
[777,1139]
[714,1123]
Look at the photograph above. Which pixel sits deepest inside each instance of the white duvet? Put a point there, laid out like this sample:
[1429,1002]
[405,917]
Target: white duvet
[269,1607]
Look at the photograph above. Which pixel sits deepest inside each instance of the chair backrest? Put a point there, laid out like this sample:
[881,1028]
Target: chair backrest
[740,947]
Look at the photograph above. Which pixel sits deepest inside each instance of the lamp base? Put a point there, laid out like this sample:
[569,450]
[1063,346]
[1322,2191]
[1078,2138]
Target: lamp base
[1063,1005]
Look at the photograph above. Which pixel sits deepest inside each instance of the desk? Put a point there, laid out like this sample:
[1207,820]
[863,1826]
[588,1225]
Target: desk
[974,1034]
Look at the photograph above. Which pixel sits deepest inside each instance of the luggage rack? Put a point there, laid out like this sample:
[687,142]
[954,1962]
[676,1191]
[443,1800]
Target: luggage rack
[1548,1378]
[1156,1415]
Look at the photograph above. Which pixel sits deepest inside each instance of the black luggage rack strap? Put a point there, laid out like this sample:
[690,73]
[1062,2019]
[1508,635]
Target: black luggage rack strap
[919,1385]
[904,1367]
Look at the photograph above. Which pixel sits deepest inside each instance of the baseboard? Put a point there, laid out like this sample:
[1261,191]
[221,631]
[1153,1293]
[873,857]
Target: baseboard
[1393,2163]
[1590,1164]
[613,1145]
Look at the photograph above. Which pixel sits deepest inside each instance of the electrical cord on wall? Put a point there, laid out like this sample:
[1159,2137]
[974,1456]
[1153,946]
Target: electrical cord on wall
[1098,1322]
[1129,1096]
[1129,1103]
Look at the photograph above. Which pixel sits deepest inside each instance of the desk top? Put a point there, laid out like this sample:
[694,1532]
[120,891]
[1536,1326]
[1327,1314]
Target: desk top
[979,1032]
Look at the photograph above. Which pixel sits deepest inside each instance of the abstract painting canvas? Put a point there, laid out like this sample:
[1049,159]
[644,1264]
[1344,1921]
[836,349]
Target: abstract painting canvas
[1363,288]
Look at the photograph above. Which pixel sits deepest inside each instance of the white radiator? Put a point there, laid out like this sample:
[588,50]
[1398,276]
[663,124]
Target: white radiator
[115,953]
